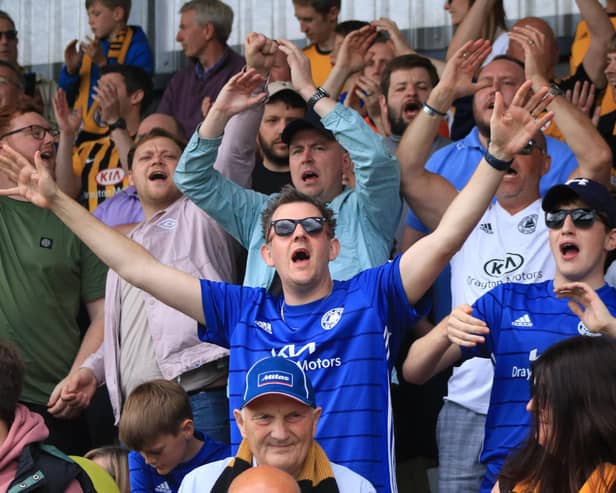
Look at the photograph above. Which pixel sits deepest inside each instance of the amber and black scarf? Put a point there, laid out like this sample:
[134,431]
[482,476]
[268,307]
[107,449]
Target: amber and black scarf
[316,475]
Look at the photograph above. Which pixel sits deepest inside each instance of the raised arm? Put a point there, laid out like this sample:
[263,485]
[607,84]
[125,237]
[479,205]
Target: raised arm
[592,152]
[68,123]
[601,31]
[510,129]
[429,194]
[471,26]
[129,259]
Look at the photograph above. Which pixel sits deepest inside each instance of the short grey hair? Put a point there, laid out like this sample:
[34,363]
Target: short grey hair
[218,13]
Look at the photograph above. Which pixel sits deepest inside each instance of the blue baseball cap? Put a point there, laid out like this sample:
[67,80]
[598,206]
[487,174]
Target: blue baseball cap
[280,376]
[591,192]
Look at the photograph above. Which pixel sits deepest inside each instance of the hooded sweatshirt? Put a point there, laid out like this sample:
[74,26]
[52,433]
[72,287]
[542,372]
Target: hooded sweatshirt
[28,427]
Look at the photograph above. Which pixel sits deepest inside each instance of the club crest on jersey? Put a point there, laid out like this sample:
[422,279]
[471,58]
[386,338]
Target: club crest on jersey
[528,224]
[331,318]
[585,332]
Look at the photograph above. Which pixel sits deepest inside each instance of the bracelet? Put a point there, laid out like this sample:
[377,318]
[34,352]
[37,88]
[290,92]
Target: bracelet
[319,94]
[429,110]
[496,163]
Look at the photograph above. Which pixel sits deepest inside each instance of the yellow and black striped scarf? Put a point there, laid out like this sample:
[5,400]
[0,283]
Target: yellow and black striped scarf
[316,475]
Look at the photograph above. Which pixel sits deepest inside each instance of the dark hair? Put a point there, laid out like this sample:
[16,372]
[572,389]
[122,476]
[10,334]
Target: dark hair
[347,27]
[289,195]
[112,4]
[218,13]
[152,134]
[575,383]
[11,380]
[611,46]
[5,15]
[153,409]
[7,114]
[291,98]
[407,62]
[135,79]
[321,6]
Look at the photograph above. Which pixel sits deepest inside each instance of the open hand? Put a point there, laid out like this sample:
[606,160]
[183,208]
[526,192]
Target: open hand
[72,57]
[588,307]
[242,91]
[68,120]
[459,71]
[465,330]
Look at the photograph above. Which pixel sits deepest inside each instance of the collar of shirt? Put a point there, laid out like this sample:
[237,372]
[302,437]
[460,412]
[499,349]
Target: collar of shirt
[205,73]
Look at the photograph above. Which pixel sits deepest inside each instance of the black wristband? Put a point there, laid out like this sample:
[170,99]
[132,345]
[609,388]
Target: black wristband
[119,123]
[432,111]
[319,94]
[496,163]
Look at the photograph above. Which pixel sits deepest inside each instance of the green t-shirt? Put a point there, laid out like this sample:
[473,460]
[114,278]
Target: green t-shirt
[46,271]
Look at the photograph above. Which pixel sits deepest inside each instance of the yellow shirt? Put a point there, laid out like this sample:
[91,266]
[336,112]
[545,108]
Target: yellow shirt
[600,481]
[580,45]
[320,64]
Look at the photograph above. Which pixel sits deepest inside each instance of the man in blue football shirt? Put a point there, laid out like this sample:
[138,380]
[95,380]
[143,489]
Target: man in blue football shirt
[514,323]
[342,333]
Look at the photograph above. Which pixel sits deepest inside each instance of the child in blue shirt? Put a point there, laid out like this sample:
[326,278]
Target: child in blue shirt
[157,424]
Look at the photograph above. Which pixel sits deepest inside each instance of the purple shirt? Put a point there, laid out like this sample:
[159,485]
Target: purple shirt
[187,88]
[123,208]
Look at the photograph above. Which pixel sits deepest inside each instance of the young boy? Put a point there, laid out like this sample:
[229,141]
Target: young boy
[157,423]
[114,42]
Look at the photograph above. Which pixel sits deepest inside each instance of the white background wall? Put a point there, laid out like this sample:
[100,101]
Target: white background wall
[47,26]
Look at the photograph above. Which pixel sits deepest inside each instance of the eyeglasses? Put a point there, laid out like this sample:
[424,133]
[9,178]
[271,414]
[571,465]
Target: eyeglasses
[286,227]
[36,131]
[10,35]
[582,218]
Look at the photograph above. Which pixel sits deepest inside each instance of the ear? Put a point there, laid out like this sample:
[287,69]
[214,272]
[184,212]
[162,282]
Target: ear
[332,15]
[334,249]
[239,420]
[547,162]
[131,182]
[610,240]
[187,428]
[383,105]
[118,14]
[208,31]
[316,415]
[136,97]
[266,254]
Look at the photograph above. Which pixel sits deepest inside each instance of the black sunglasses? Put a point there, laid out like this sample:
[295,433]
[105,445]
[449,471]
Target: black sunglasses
[582,218]
[10,35]
[286,227]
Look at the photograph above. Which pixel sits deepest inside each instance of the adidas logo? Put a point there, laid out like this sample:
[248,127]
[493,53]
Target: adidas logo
[163,488]
[523,321]
[486,228]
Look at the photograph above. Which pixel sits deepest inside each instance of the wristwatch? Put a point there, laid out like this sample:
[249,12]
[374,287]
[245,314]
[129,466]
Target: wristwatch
[119,123]
[319,94]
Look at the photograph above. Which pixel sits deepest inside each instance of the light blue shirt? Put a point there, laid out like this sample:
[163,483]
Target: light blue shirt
[367,216]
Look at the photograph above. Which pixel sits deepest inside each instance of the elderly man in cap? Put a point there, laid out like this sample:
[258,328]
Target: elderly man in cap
[278,419]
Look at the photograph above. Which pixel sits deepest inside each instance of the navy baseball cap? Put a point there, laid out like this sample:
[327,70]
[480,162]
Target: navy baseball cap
[280,376]
[310,122]
[595,195]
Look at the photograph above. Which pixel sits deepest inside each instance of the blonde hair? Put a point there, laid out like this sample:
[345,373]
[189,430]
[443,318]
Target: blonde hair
[117,464]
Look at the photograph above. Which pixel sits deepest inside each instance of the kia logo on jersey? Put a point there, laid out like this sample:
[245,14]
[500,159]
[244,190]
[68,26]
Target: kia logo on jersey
[498,267]
[110,177]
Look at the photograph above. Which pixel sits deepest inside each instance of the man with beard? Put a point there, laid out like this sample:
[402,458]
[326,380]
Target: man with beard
[406,83]
[284,105]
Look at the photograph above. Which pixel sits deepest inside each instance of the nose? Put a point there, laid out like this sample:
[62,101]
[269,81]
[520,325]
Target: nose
[303,27]
[568,225]
[279,429]
[446,5]
[530,405]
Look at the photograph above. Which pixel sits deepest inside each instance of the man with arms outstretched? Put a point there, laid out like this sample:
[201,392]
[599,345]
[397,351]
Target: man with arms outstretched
[338,331]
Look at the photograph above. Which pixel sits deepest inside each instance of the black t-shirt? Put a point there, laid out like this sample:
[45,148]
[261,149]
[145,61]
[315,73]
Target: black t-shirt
[268,182]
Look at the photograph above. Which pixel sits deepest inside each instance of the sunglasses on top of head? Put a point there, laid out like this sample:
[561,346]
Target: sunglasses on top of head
[286,227]
[582,218]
